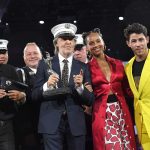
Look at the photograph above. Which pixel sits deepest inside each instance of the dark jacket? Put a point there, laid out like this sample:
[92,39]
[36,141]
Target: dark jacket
[52,109]
[8,107]
[27,117]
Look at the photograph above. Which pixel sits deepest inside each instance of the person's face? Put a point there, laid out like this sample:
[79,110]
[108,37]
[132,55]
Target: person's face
[81,55]
[4,57]
[65,46]
[138,44]
[95,44]
[32,55]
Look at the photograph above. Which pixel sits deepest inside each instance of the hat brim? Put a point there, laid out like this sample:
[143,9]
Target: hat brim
[3,51]
[78,47]
[66,35]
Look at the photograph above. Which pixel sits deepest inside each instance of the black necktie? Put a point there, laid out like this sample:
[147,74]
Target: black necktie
[65,73]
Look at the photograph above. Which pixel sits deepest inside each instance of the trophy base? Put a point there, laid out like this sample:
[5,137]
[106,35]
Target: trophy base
[57,92]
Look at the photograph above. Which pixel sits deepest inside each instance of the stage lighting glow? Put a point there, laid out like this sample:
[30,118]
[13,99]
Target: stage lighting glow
[121,18]
[41,22]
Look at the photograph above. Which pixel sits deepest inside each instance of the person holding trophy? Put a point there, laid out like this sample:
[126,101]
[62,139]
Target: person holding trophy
[67,83]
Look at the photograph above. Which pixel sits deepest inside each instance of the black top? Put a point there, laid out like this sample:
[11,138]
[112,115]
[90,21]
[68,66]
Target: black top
[137,70]
[7,106]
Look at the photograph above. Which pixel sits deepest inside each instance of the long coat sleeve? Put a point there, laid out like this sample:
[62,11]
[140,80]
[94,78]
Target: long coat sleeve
[102,87]
[141,99]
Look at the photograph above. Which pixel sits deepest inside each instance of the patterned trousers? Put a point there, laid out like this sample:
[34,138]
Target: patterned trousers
[116,136]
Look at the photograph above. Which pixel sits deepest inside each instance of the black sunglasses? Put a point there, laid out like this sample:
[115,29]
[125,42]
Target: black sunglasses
[70,38]
[78,47]
[3,51]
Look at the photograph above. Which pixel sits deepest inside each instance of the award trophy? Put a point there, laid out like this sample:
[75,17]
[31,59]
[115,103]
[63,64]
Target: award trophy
[55,91]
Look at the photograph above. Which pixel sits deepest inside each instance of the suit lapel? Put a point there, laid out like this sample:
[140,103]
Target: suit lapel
[31,72]
[56,68]
[128,70]
[74,71]
[145,73]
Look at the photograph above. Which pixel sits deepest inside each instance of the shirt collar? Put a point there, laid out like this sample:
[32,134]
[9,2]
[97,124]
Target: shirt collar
[61,58]
[34,70]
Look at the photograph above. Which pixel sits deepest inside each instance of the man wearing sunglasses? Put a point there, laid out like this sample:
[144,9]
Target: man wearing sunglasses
[61,116]
[10,95]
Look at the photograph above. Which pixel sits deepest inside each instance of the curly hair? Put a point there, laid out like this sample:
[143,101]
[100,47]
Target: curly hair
[135,28]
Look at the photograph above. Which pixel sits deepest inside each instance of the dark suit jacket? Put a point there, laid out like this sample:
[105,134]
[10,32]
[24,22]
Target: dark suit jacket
[27,118]
[51,110]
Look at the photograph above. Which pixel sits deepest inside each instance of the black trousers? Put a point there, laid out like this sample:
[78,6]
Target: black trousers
[6,135]
[57,141]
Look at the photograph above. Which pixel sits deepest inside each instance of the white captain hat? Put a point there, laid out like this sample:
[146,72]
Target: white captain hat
[3,44]
[64,29]
[79,39]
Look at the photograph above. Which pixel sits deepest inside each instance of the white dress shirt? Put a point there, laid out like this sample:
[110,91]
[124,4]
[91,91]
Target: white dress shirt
[61,63]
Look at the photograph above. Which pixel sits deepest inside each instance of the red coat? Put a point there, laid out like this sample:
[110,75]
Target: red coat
[101,88]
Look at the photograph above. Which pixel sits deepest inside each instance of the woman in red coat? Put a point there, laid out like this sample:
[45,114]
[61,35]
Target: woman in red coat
[112,124]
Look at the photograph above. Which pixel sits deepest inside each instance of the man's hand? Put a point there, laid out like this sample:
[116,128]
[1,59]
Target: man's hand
[2,93]
[87,110]
[16,95]
[78,79]
[52,80]
[88,87]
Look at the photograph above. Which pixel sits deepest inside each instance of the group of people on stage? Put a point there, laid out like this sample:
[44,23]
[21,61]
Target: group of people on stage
[77,99]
